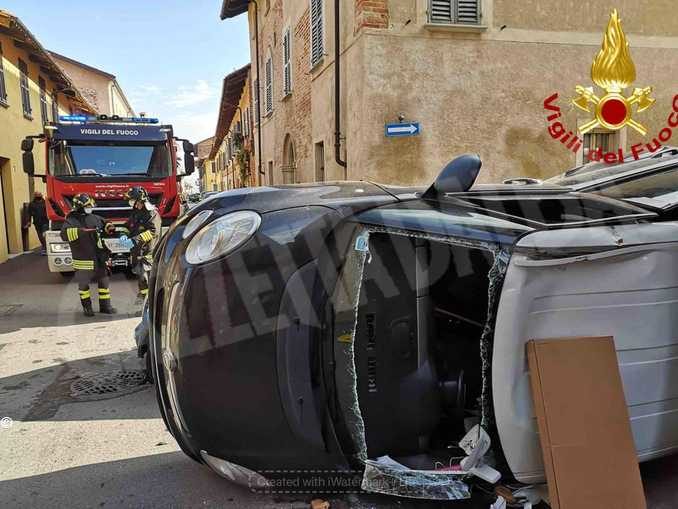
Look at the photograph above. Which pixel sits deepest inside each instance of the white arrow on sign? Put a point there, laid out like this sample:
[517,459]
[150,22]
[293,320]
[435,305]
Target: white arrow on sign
[404,129]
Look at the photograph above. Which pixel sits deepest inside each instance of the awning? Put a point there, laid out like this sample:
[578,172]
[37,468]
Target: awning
[232,8]
[232,89]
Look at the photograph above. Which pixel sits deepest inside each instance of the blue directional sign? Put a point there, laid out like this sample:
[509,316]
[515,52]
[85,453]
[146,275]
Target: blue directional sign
[402,129]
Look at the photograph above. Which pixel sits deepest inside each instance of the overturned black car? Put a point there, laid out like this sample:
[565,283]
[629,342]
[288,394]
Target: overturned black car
[320,326]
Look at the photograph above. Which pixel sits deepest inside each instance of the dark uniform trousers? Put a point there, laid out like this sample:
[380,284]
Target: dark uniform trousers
[142,261]
[85,277]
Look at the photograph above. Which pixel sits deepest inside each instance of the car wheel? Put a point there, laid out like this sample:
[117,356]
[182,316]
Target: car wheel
[66,275]
[130,275]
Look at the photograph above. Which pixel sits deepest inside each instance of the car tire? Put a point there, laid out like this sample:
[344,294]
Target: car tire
[66,275]
[130,275]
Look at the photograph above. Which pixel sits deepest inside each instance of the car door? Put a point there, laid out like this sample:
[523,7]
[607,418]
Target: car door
[619,281]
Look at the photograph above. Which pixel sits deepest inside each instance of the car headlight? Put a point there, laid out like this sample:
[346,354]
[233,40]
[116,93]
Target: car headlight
[222,236]
[60,248]
[196,222]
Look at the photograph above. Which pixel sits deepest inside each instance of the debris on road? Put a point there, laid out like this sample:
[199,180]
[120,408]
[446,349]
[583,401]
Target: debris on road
[319,503]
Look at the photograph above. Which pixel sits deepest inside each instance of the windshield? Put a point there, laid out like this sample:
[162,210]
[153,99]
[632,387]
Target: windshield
[659,189]
[109,160]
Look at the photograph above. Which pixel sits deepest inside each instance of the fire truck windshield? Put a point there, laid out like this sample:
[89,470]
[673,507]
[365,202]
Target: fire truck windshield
[67,159]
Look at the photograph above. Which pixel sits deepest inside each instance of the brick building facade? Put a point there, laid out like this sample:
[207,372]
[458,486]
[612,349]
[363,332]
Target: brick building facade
[474,73]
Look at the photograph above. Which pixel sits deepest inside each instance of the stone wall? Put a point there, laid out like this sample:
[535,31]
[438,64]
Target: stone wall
[485,98]
[653,18]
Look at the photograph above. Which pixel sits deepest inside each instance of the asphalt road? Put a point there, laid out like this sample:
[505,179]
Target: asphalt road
[71,444]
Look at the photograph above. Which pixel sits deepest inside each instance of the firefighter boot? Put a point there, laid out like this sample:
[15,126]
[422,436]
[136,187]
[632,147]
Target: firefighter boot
[105,302]
[87,307]
[106,308]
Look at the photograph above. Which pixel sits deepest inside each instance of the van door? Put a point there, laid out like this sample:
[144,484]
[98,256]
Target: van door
[619,281]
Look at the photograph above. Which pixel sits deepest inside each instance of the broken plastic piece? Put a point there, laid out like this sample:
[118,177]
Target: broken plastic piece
[532,494]
[475,443]
[486,473]
[500,503]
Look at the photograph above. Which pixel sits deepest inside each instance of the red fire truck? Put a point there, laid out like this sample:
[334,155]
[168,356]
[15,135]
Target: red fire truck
[105,156]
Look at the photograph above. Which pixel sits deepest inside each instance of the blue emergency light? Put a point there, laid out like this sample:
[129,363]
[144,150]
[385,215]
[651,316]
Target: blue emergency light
[141,120]
[106,118]
[73,118]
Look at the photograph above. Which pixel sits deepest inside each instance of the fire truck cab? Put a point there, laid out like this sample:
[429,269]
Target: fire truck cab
[103,157]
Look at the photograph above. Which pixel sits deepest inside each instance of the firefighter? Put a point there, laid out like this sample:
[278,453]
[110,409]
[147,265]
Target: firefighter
[143,230]
[83,231]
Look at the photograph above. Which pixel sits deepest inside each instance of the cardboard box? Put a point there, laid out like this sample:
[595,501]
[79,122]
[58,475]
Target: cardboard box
[584,429]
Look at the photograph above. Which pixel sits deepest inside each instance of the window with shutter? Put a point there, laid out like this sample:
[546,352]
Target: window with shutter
[269,85]
[55,107]
[317,46]
[25,90]
[597,140]
[255,94]
[3,89]
[454,11]
[43,100]
[287,66]
[245,126]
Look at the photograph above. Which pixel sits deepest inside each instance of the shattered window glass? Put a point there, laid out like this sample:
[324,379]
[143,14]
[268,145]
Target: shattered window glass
[394,479]
[390,477]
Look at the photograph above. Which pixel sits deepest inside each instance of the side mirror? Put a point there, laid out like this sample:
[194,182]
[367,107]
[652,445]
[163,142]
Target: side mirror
[27,156]
[456,177]
[189,157]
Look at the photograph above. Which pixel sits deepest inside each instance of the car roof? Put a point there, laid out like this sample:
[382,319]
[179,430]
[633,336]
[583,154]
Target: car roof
[517,189]
[594,174]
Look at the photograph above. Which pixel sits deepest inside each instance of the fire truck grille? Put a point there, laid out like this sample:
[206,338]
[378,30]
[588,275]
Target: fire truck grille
[114,207]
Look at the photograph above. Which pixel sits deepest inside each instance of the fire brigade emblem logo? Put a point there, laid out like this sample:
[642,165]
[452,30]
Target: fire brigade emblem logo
[613,70]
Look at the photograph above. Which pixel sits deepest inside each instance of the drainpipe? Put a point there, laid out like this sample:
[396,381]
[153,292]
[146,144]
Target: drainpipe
[337,91]
[256,47]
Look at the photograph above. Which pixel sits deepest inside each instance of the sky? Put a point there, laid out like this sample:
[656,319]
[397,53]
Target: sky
[169,56]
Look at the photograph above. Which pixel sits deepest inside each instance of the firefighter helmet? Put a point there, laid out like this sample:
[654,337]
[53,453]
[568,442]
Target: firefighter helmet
[82,200]
[137,193]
